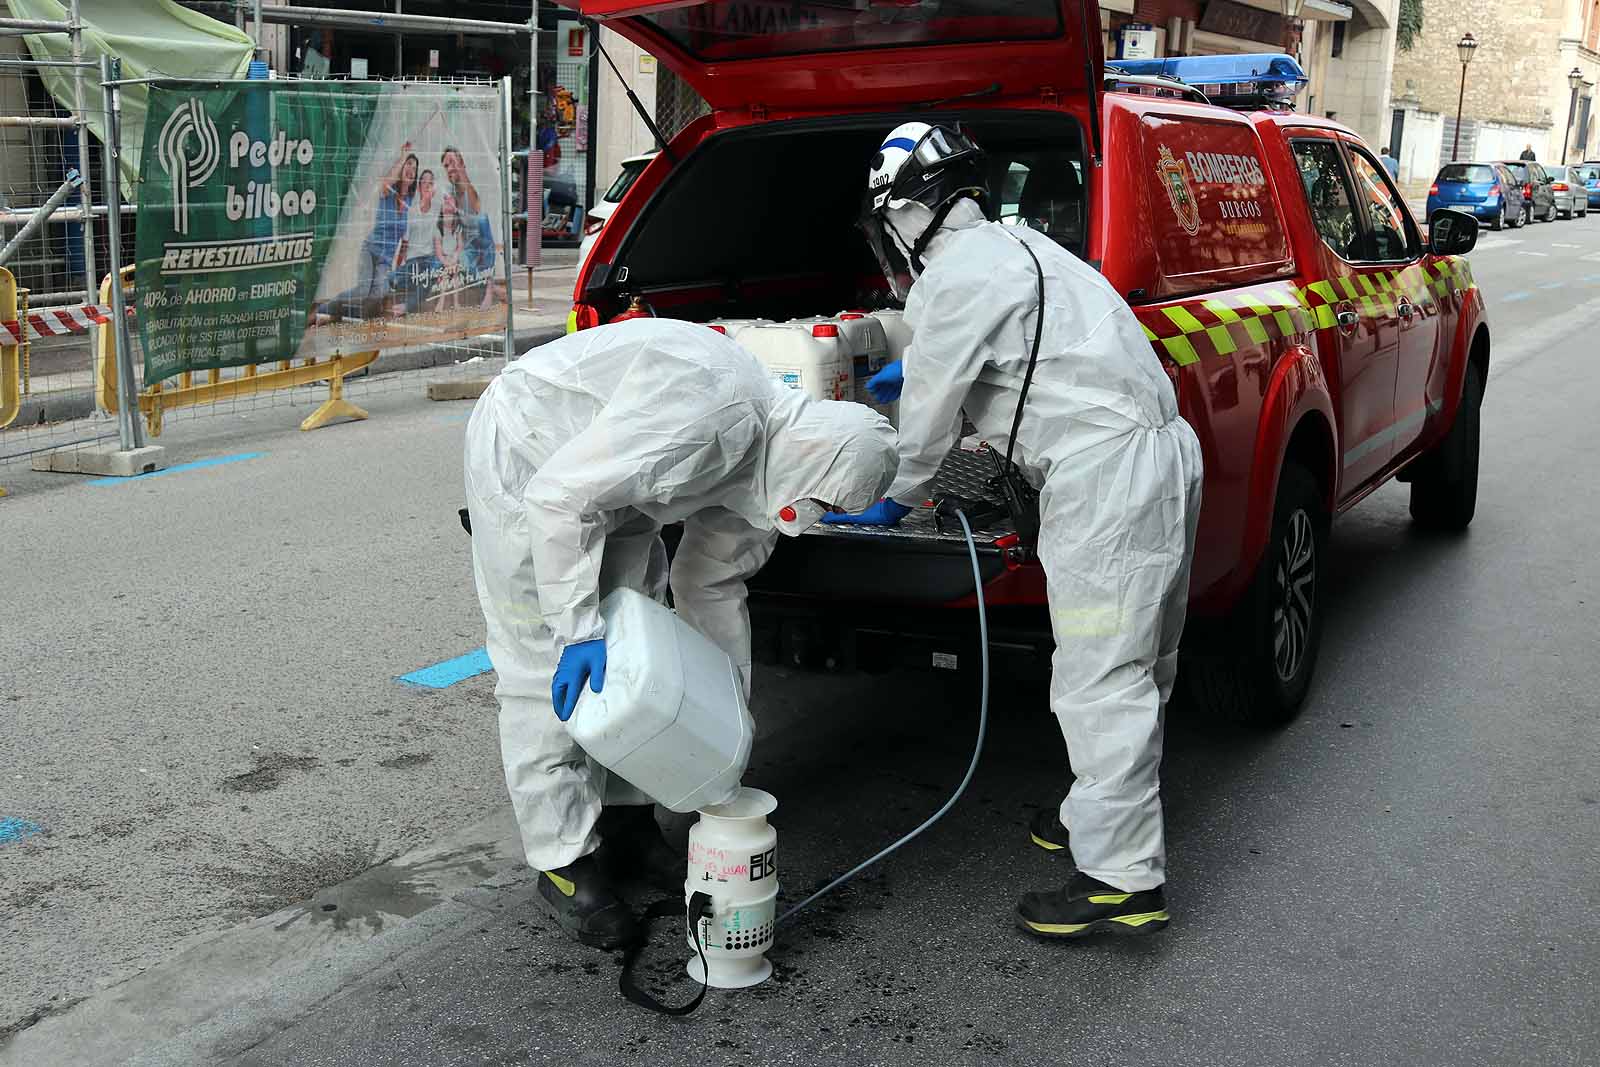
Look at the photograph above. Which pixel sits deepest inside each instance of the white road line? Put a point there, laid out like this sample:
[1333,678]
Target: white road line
[1558,244]
[1592,257]
[1533,254]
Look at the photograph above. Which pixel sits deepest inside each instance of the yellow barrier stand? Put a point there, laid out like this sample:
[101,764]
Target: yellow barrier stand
[10,353]
[156,400]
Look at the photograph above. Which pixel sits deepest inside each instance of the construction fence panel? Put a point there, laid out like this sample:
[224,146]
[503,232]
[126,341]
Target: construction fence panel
[239,308]
[53,240]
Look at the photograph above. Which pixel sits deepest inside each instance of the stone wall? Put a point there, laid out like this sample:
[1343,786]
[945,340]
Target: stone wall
[1508,79]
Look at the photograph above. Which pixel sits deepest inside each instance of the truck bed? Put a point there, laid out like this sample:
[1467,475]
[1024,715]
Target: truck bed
[912,563]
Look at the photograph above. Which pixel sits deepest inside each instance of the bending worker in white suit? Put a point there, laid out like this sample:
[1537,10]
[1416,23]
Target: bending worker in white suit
[575,457]
[1118,474]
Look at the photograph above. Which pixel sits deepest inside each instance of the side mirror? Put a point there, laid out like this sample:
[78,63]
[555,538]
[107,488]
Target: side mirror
[1452,233]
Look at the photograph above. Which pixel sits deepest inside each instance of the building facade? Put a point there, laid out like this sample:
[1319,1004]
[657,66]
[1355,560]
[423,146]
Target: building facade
[1516,91]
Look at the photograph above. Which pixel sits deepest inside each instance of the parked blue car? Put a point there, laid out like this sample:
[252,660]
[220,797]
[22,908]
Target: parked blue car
[1589,174]
[1487,190]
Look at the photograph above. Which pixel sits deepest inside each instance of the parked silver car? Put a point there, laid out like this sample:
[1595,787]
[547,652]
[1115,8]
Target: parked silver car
[1572,199]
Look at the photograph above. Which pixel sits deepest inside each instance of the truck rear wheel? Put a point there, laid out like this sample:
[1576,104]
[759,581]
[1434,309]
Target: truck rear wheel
[1444,481]
[1262,678]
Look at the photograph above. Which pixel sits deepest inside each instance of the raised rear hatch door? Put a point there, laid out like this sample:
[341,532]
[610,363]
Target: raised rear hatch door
[836,55]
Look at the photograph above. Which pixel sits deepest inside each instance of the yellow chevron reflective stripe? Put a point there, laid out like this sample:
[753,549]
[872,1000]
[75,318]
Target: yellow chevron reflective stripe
[1110,898]
[567,886]
[1185,321]
[1292,310]
[1250,321]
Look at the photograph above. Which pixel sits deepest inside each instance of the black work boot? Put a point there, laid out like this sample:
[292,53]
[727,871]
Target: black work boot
[1046,830]
[584,902]
[1086,906]
[633,849]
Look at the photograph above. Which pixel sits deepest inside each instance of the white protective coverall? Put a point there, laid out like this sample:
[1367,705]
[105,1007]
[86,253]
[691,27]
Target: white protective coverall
[1119,478]
[575,456]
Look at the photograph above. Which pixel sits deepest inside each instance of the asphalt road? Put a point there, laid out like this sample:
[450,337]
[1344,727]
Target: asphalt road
[201,712]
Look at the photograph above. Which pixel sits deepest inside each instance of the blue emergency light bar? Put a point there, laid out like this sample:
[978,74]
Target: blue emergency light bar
[1255,68]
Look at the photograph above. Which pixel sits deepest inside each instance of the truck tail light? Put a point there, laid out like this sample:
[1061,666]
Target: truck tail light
[1559,187]
[1527,188]
[1433,190]
[593,226]
[582,317]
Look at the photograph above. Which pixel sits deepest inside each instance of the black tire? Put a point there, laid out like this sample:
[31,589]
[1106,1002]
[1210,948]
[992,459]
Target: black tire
[1527,214]
[1444,481]
[1260,674]
[1499,222]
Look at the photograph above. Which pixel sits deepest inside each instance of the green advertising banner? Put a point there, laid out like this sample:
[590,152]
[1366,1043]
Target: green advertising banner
[282,220]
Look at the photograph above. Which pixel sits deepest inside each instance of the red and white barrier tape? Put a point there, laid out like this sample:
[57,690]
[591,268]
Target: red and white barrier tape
[54,322]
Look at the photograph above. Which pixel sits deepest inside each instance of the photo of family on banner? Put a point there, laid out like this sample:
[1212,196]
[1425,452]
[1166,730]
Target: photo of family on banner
[416,254]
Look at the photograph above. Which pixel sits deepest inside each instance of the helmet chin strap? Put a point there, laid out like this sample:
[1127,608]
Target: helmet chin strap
[914,250]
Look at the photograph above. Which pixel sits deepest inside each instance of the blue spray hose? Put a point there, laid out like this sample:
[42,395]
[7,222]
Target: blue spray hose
[977,748]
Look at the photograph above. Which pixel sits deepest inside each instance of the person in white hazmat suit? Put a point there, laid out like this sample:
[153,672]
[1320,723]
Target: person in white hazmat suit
[575,456]
[1118,475]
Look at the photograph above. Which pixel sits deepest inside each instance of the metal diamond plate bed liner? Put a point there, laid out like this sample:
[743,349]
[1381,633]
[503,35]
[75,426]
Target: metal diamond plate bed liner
[963,473]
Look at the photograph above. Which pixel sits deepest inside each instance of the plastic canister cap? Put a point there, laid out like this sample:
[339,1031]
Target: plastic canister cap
[850,316]
[787,513]
[825,329]
[720,329]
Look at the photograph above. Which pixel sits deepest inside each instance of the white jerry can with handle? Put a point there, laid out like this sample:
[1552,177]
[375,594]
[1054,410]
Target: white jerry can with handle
[671,718]
[809,356]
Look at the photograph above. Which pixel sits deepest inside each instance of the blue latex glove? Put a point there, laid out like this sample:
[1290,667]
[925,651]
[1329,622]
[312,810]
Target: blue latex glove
[885,386]
[885,512]
[584,661]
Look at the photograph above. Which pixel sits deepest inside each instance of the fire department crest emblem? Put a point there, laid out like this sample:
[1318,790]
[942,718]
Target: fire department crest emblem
[1175,177]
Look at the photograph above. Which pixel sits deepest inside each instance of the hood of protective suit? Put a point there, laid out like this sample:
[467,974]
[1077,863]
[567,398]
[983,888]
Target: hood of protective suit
[906,222]
[840,453]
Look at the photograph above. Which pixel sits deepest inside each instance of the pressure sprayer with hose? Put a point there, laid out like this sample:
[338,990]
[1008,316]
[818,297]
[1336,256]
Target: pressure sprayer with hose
[732,883]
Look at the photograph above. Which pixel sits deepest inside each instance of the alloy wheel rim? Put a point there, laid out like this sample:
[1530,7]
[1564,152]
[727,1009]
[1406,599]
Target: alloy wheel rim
[1295,588]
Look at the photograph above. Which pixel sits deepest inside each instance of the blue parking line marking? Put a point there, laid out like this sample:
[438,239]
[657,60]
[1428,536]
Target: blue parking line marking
[1509,297]
[13,829]
[196,465]
[1553,285]
[444,675]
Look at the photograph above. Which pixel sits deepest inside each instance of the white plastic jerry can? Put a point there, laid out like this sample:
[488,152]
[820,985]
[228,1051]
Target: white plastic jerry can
[733,858]
[732,328]
[671,718]
[809,356]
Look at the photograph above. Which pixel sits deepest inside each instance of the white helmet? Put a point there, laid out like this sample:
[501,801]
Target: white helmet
[934,166]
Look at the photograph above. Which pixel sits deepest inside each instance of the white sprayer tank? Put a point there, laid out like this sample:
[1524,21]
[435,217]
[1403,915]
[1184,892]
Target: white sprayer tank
[671,718]
[733,858]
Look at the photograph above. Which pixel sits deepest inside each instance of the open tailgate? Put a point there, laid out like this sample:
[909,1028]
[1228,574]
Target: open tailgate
[832,55]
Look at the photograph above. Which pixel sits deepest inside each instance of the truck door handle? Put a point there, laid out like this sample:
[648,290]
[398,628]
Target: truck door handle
[1346,317]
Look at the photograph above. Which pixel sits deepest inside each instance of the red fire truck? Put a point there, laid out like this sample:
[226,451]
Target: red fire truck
[1320,341]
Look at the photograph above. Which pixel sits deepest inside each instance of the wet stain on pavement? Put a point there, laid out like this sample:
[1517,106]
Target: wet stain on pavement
[268,772]
[369,899]
[406,759]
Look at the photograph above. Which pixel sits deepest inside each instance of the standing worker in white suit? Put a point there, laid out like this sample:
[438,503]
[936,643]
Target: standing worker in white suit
[575,457]
[1097,433]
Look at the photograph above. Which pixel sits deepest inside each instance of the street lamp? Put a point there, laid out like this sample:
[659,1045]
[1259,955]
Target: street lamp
[1466,46]
[1574,79]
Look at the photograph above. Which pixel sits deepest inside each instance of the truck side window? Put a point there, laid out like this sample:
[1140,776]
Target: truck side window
[1044,191]
[1322,173]
[1389,234]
